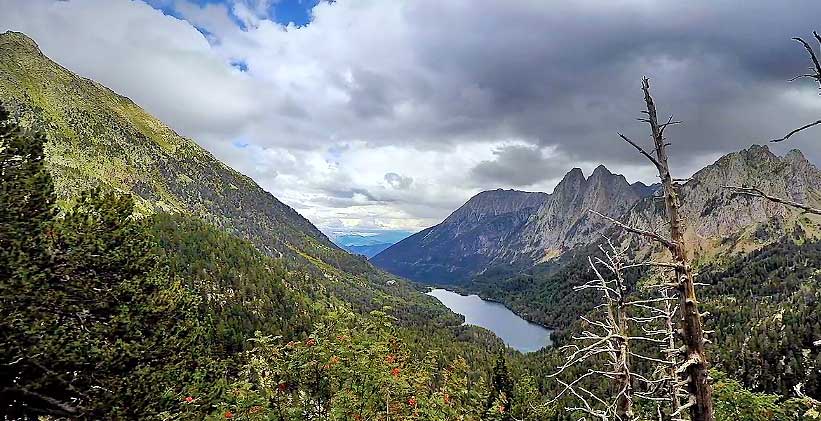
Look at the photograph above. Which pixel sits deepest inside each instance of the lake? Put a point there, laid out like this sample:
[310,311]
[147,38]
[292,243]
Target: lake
[515,331]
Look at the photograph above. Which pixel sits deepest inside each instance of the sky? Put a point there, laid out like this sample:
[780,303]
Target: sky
[369,116]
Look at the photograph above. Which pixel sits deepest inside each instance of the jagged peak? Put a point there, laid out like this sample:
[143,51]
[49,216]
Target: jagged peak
[795,155]
[601,170]
[758,151]
[574,173]
[757,154]
[19,39]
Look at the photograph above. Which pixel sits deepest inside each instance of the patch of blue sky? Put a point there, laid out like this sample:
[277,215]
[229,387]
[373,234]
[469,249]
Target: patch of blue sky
[240,65]
[284,12]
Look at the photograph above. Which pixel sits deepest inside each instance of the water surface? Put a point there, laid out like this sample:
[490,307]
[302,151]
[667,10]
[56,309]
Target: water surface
[515,331]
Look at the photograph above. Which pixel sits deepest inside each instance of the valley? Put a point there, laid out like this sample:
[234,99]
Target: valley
[171,286]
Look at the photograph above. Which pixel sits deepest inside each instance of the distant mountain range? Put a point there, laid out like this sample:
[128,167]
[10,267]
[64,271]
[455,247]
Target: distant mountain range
[369,243]
[515,229]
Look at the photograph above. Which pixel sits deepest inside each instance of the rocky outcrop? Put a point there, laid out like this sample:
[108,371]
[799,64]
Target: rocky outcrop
[564,220]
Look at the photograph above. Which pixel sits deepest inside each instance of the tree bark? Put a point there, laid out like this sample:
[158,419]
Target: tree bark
[695,362]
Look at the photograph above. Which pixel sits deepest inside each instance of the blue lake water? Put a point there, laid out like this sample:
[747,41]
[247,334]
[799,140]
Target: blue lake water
[515,331]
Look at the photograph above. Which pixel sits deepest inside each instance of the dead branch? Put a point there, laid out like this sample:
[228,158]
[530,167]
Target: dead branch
[644,233]
[804,127]
[813,57]
[756,192]
[641,150]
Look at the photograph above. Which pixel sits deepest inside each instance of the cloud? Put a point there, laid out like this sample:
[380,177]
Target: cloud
[451,95]
[397,181]
[518,166]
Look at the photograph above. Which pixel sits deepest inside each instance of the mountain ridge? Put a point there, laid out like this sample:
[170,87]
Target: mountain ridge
[509,227]
[717,220]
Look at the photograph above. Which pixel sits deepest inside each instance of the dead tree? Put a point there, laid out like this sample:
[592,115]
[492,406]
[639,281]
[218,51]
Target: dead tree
[612,340]
[694,367]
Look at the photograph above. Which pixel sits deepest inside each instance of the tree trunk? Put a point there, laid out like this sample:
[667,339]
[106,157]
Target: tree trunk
[692,332]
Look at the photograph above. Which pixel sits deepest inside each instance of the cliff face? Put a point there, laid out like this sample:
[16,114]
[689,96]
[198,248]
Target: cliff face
[564,220]
[510,228]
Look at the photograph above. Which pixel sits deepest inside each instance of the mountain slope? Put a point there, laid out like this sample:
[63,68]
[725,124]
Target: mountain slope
[468,240]
[511,228]
[719,226]
[718,221]
[100,138]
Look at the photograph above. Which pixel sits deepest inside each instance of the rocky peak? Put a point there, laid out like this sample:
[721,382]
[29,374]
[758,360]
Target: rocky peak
[601,172]
[564,220]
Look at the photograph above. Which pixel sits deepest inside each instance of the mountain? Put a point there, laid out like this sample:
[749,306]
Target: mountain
[367,250]
[564,221]
[720,227]
[100,138]
[469,240]
[511,228]
[718,220]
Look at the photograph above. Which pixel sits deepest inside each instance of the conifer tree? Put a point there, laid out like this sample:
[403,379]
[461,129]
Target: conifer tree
[501,391]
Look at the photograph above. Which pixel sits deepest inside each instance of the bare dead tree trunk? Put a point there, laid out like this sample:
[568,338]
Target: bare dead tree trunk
[692,332]
[694,369]
[624,406]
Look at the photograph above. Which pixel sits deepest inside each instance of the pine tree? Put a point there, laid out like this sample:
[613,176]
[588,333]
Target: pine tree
[501,391]
[26,211]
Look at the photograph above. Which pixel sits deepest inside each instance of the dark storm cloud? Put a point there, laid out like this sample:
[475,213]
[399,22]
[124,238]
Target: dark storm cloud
[568,75]
[517,166]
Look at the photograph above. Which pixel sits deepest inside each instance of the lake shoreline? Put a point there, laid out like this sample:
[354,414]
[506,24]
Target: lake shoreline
[464,292]
[514,330]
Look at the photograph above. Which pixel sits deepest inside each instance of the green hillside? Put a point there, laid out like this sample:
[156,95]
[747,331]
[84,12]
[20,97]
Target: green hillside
[99,138]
